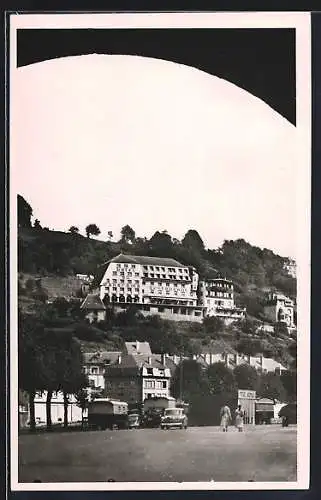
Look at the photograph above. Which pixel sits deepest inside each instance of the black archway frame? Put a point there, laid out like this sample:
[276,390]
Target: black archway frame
[259,60]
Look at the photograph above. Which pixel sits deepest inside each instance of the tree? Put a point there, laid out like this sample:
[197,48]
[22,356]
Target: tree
[127,234]
[189,378]
[246,377]
[289,381]
[213,325]
[281,330]
[70,374]
[249,347]
[73,230]
[270,386]
[220,378]
[92,229]
[24,212]
[37,224]
[83,399]
[193,240]
[31,363]
[161,244]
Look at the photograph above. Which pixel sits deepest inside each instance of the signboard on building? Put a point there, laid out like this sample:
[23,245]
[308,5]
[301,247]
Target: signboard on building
[246,398]
[246,394]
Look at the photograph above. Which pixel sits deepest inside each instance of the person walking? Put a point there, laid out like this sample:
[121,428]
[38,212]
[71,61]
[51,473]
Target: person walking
[225,415]
[239,418]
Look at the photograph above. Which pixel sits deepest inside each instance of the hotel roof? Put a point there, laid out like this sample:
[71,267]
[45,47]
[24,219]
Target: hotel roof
[145,260]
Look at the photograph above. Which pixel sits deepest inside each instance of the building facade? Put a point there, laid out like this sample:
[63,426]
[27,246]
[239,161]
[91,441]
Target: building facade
[57,408]
[94,308]
[279,308]
[218,299]
[156,285]
[290,268]
[134,378]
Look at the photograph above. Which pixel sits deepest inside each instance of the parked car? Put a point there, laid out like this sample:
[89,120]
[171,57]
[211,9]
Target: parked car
[174,417]
[288,413]
[133,421]
[152,417]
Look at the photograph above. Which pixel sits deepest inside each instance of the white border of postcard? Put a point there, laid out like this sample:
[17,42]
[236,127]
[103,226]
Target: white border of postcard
[301,22]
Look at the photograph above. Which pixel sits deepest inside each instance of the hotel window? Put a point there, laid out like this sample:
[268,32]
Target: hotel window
[114,273]
[157,268]
[129,281]
[118,266]
[133,266]
[163,269]
[114,288]
[129,274]
[94,370]
[136,274]
[125,266]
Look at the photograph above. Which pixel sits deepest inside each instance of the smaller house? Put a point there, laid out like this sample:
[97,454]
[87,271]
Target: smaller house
[279,308]
[136,377]
[57,408]
[138,348]
[94,308]
[94,366]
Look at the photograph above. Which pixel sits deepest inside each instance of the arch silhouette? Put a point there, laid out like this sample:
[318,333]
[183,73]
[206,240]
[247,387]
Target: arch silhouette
[260,61]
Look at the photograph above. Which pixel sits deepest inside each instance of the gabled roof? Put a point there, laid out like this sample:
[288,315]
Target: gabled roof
[138,348]
[93,303]
[101,357]
[134,362]
[145,260]
[127,366]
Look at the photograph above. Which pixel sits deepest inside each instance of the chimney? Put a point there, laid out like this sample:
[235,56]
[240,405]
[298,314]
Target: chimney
[137,345]
[163,359]
[119,359]
[149,360]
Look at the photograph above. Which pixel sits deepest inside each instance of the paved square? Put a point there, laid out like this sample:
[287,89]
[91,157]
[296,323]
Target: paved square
[262,453]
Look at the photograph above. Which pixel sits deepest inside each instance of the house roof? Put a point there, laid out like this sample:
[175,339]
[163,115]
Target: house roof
[133,362]
[138,348]
[93,302]
[101,357]
[145,260]
[270,364]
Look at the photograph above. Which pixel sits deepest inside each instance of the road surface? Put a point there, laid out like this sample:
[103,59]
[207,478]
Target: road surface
[263,453]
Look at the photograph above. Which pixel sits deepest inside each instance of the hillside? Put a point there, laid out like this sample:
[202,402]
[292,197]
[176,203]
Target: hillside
[56,258]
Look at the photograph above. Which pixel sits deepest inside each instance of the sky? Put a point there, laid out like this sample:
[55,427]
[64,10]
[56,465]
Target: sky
[115,140]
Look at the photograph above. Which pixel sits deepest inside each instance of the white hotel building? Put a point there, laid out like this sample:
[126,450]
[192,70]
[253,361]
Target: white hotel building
[158,285]
[218,298]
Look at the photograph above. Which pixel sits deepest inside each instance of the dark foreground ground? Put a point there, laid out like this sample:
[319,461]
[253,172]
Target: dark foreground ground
[264,453]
